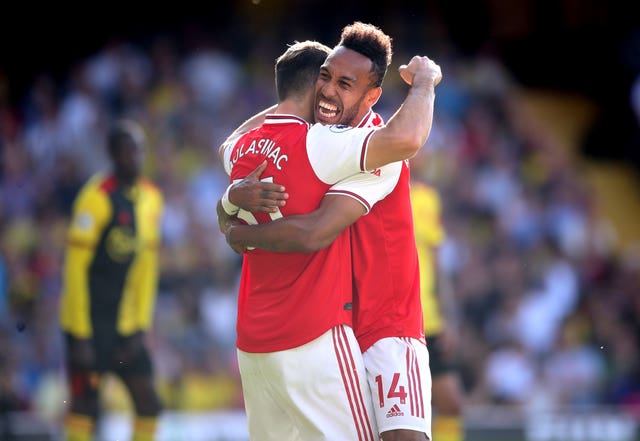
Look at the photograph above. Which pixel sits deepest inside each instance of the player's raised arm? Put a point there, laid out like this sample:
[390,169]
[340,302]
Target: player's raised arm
[408,129]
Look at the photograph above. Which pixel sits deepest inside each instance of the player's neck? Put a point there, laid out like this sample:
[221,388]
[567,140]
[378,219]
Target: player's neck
[299,108]
[290,107]
[125,180]
[360,117]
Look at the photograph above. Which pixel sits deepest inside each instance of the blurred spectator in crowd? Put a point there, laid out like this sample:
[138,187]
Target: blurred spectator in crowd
[110,282]
[439,309]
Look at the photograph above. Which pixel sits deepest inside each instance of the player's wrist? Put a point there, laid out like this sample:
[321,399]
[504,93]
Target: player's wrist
[229,207]
[424,81]
[426,88]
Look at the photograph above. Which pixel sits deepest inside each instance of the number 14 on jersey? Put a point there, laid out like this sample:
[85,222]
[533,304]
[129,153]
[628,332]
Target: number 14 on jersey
[394,391]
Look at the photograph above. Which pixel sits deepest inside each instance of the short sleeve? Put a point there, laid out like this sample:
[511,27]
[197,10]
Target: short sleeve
[369,187]
[227,149]
[90,213]
[336,152]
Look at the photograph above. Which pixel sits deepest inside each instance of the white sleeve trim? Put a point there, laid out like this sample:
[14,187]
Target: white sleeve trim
[370,187]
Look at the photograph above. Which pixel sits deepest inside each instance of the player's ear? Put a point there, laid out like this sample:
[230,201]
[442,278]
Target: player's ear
[372,96]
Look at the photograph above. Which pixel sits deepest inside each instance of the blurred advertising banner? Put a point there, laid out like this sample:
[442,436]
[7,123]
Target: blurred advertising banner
[587,426]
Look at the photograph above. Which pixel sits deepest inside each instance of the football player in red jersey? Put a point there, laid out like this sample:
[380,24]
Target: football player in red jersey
[387,312]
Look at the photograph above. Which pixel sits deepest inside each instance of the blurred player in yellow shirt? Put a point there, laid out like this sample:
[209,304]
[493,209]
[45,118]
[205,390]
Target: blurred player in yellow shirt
[110,280]
[437,305]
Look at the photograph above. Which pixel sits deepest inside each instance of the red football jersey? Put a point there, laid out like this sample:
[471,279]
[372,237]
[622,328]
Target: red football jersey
[385,263]
[286,300]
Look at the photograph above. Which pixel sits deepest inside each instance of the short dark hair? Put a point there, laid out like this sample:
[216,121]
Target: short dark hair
[123,130]
[297,69]
[370,41]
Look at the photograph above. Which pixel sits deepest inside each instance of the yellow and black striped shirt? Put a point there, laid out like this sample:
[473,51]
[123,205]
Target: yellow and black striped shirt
[111,259]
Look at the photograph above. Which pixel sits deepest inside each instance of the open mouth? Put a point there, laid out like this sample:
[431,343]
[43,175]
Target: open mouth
[326,110]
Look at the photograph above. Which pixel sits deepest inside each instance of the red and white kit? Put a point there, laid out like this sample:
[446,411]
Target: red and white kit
[387,307]
[292,304]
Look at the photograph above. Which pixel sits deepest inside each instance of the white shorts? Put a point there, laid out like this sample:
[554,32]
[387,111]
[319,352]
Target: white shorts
[400,380]
[317,391]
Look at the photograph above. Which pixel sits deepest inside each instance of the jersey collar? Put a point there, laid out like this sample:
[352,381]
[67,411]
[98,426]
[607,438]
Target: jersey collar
[283,118]
[371,119]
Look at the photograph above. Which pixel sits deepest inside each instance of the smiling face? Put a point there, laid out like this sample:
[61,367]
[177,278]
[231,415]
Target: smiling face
[344,90]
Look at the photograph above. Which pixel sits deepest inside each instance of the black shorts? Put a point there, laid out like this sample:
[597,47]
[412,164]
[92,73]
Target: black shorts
[438,363]
[105,345]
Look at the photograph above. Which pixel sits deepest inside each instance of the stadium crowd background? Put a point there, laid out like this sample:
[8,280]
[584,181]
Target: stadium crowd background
[547,294]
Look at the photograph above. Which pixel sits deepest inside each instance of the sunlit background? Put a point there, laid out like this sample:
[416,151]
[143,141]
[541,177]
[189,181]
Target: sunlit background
[535,150]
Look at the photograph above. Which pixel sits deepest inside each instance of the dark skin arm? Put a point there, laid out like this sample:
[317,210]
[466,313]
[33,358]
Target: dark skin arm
[256,196]
[305,233]
[252,195]
[408,129]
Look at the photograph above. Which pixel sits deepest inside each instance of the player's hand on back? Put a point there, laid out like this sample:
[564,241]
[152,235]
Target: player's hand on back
[252,194]
[421,70]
